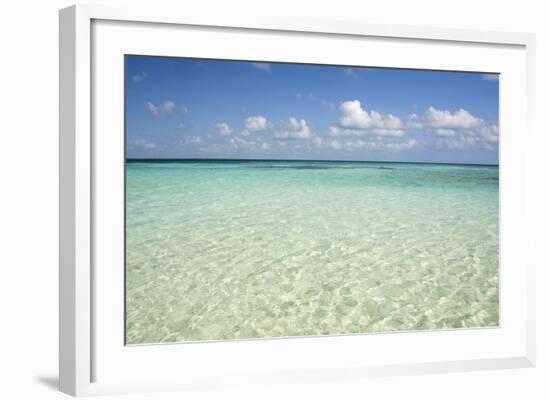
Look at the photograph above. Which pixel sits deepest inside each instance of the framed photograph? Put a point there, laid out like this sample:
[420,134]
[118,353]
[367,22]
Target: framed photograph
[278,200]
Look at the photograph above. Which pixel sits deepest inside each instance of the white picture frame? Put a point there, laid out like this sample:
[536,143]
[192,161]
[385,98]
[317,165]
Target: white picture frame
[89,340]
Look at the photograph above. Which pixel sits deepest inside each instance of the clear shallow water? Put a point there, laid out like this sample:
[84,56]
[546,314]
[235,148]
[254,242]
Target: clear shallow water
[234,250]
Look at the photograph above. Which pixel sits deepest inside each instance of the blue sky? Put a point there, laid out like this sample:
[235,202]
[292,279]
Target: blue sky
[198,108]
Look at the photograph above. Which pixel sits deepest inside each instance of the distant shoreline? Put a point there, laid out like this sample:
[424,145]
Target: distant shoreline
[222,160]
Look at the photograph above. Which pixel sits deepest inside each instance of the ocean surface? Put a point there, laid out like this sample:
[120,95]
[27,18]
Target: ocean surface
[219,250]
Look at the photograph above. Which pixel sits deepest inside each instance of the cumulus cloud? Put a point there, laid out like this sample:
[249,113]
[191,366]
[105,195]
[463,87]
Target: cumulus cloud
[338,131]
[184,109]
[262,66]
[456,130]
[414,121]
[354,120]
[460,119]
[486,136]
[180,126]
[444,122]
[139,77]
[166,107]
[458,142]
[224,129]
[490,132]
[294,128]
[444,132]
[254,124]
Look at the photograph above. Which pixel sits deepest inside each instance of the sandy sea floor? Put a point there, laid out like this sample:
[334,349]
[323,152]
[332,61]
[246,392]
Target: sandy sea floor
[229,250]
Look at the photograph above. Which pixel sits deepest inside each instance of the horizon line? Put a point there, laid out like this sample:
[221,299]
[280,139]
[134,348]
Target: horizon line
[176,159]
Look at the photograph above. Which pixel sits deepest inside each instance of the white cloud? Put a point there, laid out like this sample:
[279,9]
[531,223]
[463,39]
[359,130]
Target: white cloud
[378,144]
[486,136]
[180,126]
[414,121]
[434,118]
[462,141]
[457,130]
[388,132]
[166,107]
[240,143]
[195,140]
[490,77]
[444,132]
[334,144]
[235,144]
[139,77]
[354,116]
[254,124]
[358,121]
[411,143]
[213,148]
[142,143]
[317,141]
[297,129]
[460,119]
[490,132]
[262,66]
[337,131]
[224,129]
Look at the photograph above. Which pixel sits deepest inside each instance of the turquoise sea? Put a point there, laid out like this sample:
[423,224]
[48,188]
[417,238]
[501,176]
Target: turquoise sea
[219,250]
